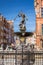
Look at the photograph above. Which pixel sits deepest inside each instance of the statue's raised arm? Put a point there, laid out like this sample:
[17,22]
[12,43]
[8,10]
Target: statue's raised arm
[22,23]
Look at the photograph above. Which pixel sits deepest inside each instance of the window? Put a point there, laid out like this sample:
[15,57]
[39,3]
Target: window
[42,29]
[2,28]
[1,40]
[42,43]
[41,12]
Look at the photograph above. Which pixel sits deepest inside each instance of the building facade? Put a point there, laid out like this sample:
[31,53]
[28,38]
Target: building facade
[11,32]
[6,31]
[39,22]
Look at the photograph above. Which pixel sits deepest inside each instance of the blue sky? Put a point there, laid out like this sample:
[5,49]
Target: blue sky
[11,8]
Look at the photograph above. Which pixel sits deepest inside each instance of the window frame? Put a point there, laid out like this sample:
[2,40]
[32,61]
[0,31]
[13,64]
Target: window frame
[42,12]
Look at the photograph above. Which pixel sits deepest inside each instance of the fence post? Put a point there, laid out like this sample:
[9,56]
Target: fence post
[22,54]
[3,58]
[16,57]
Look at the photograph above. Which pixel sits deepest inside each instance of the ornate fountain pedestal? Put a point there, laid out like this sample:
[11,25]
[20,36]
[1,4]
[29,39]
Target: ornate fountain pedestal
[22,46]
[22,26]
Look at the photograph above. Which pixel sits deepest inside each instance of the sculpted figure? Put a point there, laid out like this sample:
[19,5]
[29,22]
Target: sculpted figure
[22,24]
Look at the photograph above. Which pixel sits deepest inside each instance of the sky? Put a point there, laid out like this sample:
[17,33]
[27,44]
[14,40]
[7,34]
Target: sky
[11,8]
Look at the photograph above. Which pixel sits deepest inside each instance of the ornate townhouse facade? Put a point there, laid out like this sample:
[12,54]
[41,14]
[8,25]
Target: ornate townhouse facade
[39,23]
[6,31]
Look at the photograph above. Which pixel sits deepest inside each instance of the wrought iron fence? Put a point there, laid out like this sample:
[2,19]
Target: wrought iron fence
[18,58]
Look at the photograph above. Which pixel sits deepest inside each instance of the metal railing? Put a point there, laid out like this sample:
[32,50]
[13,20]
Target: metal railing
[18,58]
